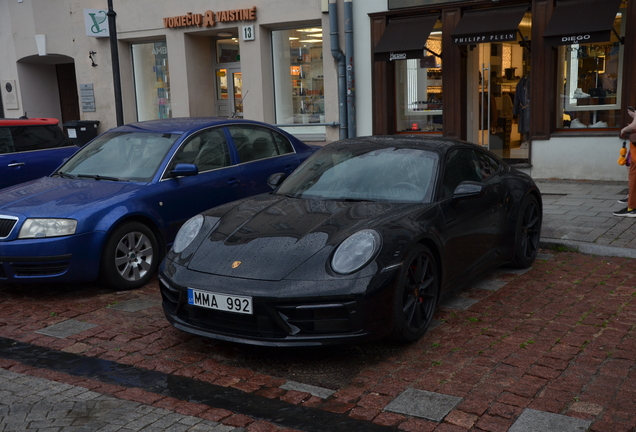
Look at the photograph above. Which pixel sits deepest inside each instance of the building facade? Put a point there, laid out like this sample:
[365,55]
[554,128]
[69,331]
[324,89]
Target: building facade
[259,59]
[543,83]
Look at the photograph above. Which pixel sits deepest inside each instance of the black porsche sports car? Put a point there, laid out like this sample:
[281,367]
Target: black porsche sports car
[360,242]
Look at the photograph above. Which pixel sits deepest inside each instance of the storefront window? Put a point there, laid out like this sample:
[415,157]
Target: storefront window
[298,75]
[152,84]
[419,90]
[590,82]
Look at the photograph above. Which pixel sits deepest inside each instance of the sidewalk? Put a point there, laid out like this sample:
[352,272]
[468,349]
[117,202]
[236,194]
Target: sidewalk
[577,215]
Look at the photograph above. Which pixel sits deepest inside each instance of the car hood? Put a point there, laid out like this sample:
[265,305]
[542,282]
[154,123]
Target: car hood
[268,236]
[59,197]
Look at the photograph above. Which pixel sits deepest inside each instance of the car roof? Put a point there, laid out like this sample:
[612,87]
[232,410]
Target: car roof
[28,121]
[433,143]
[180,125]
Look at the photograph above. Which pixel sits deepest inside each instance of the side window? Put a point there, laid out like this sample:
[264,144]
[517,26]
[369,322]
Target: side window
[282,143]
[28,138]
[253,142]
[6,142]
[461,165]
[487,166]
[207,150]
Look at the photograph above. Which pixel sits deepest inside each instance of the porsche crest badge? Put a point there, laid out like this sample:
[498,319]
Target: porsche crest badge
[235,264]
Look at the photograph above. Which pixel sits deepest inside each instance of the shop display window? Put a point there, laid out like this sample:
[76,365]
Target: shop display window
[590,82]
[419,90]
[298,75]
[152,83]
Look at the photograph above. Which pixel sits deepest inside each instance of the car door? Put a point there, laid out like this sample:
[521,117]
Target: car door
[468,220]
[46,148]
[262,152]
[13,166]
[216,183]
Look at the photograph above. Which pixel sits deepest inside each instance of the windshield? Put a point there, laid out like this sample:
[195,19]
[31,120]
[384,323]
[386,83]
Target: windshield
[357,172]
[123,156]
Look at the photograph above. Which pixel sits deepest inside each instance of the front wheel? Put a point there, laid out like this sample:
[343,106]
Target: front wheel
[527,234]
[416,294]
[130,257]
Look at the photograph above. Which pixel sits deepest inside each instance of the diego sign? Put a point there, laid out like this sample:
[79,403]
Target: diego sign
[210,18]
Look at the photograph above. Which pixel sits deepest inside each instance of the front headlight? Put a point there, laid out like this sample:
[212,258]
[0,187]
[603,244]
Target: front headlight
[187,233]
[40,228]
[356,251]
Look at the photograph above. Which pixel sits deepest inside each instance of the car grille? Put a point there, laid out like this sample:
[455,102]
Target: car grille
[267,321]
[39,269]
[6,225]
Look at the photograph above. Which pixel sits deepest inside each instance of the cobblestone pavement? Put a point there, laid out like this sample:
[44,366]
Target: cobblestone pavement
[554,346]
[580,214]
[550,349]
[34,404]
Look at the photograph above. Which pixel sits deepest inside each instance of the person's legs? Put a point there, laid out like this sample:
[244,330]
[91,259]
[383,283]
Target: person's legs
[631,199]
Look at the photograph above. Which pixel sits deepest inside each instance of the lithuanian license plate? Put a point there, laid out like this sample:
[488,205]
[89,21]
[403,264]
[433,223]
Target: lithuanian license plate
[224,302]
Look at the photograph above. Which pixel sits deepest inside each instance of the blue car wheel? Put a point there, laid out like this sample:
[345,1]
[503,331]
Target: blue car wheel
[130,257]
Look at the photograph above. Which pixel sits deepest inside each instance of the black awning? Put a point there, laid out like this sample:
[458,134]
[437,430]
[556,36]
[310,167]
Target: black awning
[489,25]
[405,38]
[581,21]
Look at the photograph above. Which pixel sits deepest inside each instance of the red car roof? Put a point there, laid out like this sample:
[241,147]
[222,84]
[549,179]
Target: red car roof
[30,122]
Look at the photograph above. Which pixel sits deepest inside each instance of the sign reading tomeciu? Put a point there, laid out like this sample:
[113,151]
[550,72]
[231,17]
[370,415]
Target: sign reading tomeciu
[96,22]
[499,37]
[210,18]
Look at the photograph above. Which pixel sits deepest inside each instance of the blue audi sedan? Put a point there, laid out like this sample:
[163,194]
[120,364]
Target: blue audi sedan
[112,210]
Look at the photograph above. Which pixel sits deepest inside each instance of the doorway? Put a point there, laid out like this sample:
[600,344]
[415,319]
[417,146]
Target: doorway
[229,85]
[498,91]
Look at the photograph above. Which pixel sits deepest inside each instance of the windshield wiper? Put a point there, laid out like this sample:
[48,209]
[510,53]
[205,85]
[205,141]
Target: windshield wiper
[65,175]
[97,177]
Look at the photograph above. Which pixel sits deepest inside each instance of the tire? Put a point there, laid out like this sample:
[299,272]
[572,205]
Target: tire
[527,233]
[130,257]
[416,294]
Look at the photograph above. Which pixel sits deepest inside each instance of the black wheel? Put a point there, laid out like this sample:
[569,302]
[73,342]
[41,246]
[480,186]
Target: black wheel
[415,295]
[527,233]
[130,257]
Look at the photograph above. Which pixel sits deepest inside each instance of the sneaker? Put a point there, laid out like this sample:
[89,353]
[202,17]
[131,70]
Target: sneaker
[623,200]
[599,124]
[580,94]
[576,124]
[625,212]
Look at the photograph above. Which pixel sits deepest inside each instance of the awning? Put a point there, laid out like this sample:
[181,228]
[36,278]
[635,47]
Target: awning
[581,21]
[489,25]
[405,38]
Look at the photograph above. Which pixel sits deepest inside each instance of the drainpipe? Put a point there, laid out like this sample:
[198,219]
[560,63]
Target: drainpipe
[337,54]
[351,81]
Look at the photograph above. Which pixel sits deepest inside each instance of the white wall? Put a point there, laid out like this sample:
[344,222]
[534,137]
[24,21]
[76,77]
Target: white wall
[363,62]
[577,158]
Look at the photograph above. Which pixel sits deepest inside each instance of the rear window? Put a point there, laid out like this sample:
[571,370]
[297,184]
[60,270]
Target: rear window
[28,138]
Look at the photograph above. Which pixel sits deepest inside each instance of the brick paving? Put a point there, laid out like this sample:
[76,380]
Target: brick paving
[554,346]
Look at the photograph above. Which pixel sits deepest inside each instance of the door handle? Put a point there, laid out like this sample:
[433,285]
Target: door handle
[15,164]
[232,181]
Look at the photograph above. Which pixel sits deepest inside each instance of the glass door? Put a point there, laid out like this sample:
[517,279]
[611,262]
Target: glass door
[499,96]
[229,84]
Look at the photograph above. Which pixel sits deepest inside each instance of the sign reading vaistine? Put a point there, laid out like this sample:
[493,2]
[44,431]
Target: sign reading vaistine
[210,18]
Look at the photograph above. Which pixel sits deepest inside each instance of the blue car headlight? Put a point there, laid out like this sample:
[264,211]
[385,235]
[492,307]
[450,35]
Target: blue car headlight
[356,251]
[42,228]
[187,233]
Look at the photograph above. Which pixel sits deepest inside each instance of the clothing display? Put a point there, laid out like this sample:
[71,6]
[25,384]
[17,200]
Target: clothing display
[521,105]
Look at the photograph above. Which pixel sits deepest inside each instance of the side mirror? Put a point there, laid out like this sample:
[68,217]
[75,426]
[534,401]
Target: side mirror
[184,170]
[468,189]
[276,179]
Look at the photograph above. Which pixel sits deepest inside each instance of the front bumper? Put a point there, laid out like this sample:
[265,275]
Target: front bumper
[73,258]
[285,313]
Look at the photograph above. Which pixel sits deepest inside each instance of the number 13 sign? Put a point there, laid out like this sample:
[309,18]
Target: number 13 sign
[248,33]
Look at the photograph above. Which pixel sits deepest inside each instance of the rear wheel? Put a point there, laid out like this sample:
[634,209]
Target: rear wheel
[416,295]
[528,232]
[130,257]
